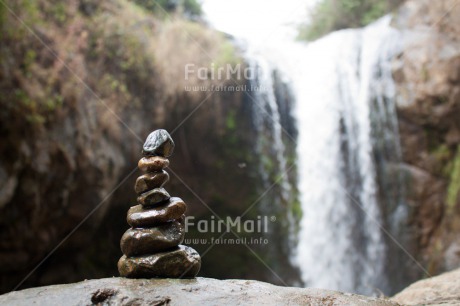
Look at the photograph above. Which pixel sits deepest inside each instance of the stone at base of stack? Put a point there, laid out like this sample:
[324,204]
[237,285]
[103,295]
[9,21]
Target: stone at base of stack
[152,246]
[181,262]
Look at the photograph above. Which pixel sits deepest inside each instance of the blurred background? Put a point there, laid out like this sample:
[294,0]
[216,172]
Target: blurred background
[347,133]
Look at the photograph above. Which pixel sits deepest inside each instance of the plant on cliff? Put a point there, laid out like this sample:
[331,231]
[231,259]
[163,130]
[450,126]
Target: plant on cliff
[454,185]
[201,49]
[190,8]
[332,15]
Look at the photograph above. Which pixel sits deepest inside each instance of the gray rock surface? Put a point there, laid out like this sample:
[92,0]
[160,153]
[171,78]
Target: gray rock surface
[439,290]
[158,143]
[198,291]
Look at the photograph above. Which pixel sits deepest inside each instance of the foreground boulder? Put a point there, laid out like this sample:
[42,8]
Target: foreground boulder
[199,291]
[440,290]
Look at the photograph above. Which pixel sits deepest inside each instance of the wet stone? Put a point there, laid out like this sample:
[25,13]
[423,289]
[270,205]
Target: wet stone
[153,164]
[158,143]
[142,241]
[152,247]
[182,262]
[150,181]
[140,216]
[153,197]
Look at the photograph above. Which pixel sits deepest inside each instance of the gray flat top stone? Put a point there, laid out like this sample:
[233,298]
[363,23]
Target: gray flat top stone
[158,143]
[198,291]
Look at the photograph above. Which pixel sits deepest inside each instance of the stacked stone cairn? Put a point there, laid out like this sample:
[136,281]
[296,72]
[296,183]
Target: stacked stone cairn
[152,246]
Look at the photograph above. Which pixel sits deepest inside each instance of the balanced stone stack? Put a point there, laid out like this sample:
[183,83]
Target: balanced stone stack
[151,247]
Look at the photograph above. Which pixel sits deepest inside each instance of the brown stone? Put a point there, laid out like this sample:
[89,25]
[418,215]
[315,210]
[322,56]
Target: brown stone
[153,163]
[153,197]
[139,216]
[150,181]
[143,241]
[182,262]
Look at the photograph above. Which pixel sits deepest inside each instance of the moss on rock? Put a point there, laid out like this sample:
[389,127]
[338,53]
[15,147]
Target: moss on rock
[454,183]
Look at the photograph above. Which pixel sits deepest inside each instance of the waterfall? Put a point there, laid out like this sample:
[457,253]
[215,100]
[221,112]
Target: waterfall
[341,243]
[344,99]
[346,142]
[268,107]
[267,119]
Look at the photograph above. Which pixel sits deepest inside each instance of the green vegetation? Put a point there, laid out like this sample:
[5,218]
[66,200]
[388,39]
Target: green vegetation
[332,15]
[454,185]
[184,42]
[227,55]
[192,7]
[230,122]
[58,12]
[442,158]
[116,42]
[29,59]
[2,18]
[189,7]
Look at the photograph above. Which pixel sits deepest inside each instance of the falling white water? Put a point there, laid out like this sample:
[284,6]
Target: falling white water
[341,244]
[335,80]
[266,109]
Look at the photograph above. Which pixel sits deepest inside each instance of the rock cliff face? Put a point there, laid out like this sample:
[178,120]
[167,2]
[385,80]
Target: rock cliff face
[427,75]
[82,85]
